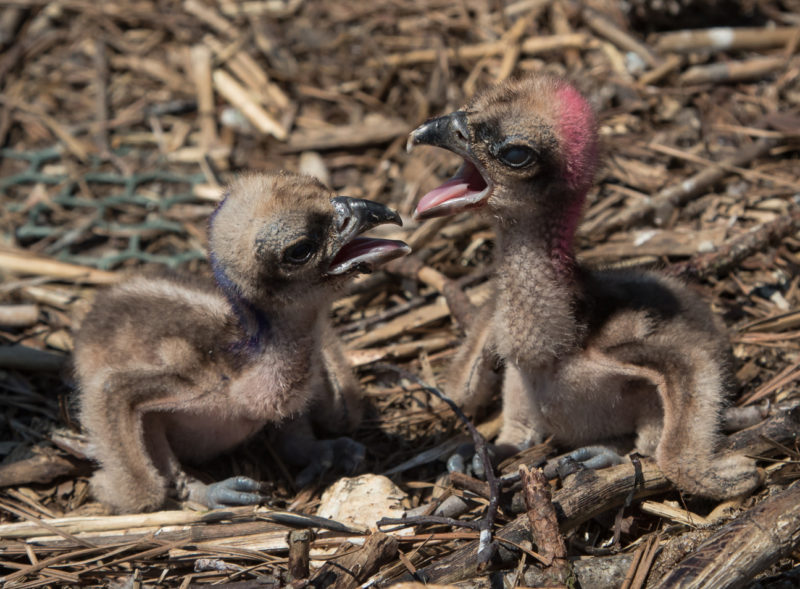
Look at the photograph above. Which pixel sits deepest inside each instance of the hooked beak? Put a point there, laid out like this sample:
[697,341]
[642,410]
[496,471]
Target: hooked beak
[450,132]
[468,189]
[352,217]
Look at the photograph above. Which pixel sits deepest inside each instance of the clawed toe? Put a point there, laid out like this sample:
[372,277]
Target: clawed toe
[239,490]
[591,457]
[466,461]
[457,461]
[345,454]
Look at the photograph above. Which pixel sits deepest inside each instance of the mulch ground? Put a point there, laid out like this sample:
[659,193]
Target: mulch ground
[120,122]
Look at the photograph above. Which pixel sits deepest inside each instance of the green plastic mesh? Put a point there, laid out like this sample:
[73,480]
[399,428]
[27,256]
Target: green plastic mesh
[72,227]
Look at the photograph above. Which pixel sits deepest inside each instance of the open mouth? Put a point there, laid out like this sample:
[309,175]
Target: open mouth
[364,254]
[468,189]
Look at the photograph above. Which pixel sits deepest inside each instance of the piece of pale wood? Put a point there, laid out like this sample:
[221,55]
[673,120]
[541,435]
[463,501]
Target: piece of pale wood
[238,96]
[21,262]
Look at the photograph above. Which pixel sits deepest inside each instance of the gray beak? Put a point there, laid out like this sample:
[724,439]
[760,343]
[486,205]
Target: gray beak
[450,132]
[352,217]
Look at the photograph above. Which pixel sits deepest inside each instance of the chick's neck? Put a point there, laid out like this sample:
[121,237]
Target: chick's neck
[537,282]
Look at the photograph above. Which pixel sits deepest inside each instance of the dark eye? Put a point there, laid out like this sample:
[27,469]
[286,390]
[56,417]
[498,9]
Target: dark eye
[516,156]
[299,252]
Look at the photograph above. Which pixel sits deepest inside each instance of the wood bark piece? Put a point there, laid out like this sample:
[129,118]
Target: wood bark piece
[675,514]
[153,68]
[732,71]
[670,64]
[417,318]
[561,26]
[735,250]
[783,428]
[399,351]
[673,550]
[738,551]
[531,46]
[774,323]
[41,468]
[654,242]
[461,308]
[299,546]
[246,69]
[374,130]
[640,566]
[190,539]
[589,493]
[624,40]
[462,481]
[784,378]
[544,524]
[100,59]
[725,39]
[356,565]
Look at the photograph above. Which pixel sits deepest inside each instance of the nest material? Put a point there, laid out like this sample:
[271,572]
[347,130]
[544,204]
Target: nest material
[121,121]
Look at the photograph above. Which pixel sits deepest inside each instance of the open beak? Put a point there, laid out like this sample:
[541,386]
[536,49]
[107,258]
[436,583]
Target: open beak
[469,188]
[352,217]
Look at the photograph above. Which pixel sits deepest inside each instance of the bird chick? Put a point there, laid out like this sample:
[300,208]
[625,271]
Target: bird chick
[589,356]
[177,369]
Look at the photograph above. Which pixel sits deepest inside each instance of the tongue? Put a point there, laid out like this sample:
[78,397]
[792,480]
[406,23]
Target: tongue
[365,253]
[454,188]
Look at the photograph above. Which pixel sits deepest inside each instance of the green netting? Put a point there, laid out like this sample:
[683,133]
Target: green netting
[122,194]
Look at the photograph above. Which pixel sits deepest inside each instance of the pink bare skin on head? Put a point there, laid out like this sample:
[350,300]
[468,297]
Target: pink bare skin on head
[579,133]
[578,130]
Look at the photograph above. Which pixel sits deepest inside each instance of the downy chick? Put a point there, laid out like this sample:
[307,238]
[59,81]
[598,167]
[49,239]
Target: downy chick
[181,369]
[590,356]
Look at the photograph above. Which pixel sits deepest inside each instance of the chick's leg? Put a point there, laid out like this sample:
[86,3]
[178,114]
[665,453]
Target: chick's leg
[522,424]
[129,426]
[474,374]
[135,457]
[337,404]
[522,418]
[298,445]
[691,388]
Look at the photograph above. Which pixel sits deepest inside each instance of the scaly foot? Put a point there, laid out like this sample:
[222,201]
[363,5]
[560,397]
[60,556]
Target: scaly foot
[593,457]
[344,454]
[233,491]
[466,461]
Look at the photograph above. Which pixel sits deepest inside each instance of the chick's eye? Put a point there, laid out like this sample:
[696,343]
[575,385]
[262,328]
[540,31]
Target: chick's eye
[516,156]
[299,252]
